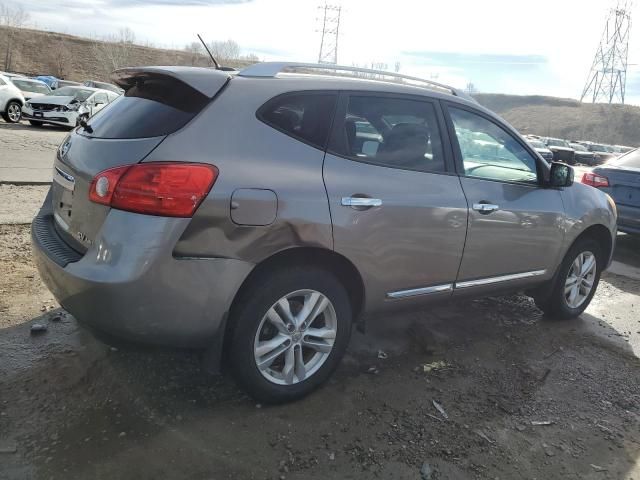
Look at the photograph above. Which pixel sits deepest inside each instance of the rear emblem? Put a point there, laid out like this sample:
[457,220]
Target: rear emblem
[65,175]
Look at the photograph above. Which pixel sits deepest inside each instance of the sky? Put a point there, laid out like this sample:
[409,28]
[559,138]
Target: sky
[528,48]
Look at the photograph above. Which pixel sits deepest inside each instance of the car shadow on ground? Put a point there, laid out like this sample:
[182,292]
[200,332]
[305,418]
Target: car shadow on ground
[628,249]
[480,389]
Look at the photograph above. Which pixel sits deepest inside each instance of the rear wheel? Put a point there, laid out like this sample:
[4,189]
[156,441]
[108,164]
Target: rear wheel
[13,112]
[291,330]
[35,123]
[576,281]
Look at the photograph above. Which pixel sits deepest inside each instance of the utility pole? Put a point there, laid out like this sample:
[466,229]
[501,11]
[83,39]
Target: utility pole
[330,33]
[608,75]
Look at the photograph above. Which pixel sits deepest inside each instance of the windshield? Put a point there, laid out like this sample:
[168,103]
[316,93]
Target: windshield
[580,148]
[79,94]
[537,144]
[598,148]
[28,86]
[554,142]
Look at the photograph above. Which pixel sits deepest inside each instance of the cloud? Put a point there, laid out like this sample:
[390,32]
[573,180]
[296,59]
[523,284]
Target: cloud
[177,3]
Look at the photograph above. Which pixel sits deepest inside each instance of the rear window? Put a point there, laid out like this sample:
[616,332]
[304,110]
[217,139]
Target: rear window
[152,106]
[631,159]
[305,116]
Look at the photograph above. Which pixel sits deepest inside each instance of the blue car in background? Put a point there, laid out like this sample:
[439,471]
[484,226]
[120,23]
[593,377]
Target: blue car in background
[49,80]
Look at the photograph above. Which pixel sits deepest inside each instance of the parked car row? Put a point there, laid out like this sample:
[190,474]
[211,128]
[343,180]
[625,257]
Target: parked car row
[575,151]
[48,100]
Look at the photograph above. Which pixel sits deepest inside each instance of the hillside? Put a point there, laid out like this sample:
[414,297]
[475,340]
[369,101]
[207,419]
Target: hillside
[566,118]
[37,52]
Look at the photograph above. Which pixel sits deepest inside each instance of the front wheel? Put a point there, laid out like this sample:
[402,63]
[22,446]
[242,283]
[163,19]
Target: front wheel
[13,112]
[290,331]
[576,281]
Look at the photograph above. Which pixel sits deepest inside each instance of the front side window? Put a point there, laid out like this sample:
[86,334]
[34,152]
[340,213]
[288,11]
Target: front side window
[392,132]
[305,116]
[488,151]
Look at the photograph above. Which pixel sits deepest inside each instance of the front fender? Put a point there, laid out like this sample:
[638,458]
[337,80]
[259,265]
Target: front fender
[586,206]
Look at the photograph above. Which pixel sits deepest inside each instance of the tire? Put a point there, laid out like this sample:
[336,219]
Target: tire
[557,303]
[252,328]
[13,112]
[35,123]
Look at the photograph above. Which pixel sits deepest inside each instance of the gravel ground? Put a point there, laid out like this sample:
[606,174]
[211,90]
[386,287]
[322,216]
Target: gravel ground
[524,397]
[19,204]
[27,152]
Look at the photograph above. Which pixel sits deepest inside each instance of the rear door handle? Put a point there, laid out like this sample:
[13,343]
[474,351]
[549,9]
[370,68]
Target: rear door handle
[361,202]
[485,207]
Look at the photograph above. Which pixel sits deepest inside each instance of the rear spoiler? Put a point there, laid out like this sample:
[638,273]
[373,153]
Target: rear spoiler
[205,80]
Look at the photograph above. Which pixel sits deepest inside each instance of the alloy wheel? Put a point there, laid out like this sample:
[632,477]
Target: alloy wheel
[580,279]
[295,337]
[14,113]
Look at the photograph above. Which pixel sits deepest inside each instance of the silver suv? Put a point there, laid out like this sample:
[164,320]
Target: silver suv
[260,214]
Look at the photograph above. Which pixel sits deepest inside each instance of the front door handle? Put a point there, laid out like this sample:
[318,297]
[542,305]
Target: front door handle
[485,207]
[361,202]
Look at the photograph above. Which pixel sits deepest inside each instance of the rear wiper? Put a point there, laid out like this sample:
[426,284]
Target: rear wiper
[87,128]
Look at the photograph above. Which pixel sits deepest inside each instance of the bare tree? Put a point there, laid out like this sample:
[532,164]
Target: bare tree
[15,17]
[225,50]
[196,53]
[115,51]
[60,61]
[251,57]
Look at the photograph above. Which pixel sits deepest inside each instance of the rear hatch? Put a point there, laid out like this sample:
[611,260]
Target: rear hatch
[158,102]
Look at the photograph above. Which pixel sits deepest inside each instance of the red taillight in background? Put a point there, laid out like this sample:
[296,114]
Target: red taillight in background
[164,189]
[595,180]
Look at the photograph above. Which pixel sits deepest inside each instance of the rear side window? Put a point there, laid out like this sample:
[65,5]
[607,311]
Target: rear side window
[391,132]
[153,105]
[305,116]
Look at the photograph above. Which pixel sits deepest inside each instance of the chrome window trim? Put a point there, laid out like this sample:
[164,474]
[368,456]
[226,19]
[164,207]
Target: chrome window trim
[420,291]
[503,278]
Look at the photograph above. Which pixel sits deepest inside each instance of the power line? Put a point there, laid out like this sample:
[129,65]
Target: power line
[608,75]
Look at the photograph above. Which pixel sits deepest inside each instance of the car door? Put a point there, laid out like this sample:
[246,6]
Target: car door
[4,94]
[516,225]
[397,208]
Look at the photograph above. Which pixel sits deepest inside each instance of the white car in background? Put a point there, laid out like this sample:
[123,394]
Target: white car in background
[11,100]
[30,87]
[67,106]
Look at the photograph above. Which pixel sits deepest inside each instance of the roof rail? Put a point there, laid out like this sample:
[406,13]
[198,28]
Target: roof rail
[271,69]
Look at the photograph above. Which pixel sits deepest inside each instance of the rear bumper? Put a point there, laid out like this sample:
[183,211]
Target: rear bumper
[129,285]
[628,219]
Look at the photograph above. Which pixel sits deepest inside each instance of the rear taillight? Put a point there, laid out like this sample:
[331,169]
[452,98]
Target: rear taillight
[164,189]
[595,180]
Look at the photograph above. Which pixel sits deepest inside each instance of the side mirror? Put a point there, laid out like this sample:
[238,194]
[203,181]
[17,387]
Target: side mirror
[98,103]
[561,175]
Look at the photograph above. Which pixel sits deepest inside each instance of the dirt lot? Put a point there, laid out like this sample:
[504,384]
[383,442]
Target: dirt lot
[525,397]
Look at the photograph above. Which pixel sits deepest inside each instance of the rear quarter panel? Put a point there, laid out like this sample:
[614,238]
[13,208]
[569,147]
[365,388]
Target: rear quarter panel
[250,155]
